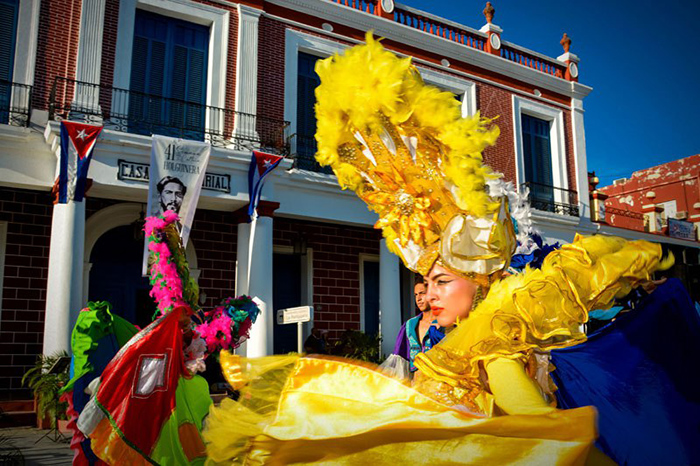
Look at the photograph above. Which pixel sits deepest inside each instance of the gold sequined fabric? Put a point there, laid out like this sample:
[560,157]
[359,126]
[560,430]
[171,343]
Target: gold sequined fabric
[406,151]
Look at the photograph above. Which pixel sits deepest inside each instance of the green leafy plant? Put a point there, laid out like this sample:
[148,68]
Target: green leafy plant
[46,386]
[357,345]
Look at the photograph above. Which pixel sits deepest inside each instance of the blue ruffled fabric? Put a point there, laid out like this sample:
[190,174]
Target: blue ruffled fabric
[641,373]
[534,259]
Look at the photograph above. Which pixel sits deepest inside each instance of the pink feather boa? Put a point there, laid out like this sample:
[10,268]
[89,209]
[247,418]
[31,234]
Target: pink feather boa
[166,283]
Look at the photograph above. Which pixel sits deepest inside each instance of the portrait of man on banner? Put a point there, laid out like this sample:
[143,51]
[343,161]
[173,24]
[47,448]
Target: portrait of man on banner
[171,193]
[176,174]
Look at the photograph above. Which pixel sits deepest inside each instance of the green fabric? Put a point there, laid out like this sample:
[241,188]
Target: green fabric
[192,405]
[92,325]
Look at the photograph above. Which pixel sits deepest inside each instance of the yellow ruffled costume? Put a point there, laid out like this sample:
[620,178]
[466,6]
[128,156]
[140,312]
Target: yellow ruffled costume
[404,149]
[536,311]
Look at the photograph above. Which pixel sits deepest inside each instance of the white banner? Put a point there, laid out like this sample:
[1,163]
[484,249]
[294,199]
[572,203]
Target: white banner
[176,174]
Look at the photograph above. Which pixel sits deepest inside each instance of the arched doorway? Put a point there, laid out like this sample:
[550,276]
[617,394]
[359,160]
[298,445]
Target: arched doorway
[115,275]
[113,263]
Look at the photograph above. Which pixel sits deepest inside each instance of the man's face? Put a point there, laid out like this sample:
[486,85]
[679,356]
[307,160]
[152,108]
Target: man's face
[171,197]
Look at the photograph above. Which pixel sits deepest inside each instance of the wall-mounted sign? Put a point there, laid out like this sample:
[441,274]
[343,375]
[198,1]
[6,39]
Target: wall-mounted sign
[681,229]
[134,171]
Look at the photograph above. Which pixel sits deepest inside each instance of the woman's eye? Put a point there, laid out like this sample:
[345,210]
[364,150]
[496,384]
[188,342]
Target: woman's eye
[443,282]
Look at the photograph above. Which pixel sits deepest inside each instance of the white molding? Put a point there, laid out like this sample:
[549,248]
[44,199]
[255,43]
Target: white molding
[383,27]
[3,246]
[216,18]
[362,259]
[490,27]
[454,84]
[295,42]
[247,68]
[568,57]
[557,138]
[578,134]
[89,60]
[27,39]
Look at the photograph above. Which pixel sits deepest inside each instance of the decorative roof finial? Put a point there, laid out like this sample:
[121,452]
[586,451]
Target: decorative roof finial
[565,42]
[489,12]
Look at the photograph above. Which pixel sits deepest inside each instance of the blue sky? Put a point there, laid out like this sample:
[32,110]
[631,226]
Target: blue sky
[640,58]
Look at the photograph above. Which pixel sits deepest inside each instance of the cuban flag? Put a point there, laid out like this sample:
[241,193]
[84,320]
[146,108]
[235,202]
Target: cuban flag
[261,164]
[77,142]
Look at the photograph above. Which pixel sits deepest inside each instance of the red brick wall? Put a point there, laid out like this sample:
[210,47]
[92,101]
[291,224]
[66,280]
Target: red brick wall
[271,68]
[678,181]
[336,268]
[570,156]
[109,48]
[28,217]
[59,28]
[495,102]
[215,237]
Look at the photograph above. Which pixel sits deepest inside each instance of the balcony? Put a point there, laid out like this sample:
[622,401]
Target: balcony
[148,114]
[457,33]
[551,199]
[15,103]
[305,156]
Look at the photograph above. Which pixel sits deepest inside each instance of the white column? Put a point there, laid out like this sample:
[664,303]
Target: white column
[64,291]
[89,55]
[389,298]
[247,71]
[259,268]
[581,165]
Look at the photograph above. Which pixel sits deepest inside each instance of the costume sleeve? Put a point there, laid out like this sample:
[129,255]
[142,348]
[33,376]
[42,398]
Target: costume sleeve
[402,346]
[514,391]
[543,309]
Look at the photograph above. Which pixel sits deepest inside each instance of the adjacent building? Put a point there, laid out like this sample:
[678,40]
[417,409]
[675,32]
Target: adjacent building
[661,204]
[241,76]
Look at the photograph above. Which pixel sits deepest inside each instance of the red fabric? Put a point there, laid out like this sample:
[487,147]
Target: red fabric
[83,136]
[141,415]
[265,160]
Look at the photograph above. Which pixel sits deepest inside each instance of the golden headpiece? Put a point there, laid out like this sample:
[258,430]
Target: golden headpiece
[404,148]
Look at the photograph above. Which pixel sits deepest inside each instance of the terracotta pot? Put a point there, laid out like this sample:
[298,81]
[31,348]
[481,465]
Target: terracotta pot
[41,422]
[63,426]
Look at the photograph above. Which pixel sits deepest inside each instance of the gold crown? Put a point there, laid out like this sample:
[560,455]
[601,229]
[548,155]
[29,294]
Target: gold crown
[404,148]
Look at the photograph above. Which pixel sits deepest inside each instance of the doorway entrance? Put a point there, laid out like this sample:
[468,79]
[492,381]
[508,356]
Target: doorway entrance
[115,276]
[286,286]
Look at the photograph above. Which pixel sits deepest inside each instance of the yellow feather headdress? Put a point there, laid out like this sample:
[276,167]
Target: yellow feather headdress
[404,148]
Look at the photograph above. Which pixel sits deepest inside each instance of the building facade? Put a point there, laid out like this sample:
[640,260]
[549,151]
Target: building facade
[661,204]
[241,76]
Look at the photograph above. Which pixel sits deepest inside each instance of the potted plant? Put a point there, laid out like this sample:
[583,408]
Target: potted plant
[46,384]
[358,345]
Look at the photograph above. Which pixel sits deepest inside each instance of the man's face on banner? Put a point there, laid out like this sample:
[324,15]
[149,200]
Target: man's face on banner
[171,197]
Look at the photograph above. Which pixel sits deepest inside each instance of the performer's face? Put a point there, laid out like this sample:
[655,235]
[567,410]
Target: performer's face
[171,197]
[449,295]
[419,291]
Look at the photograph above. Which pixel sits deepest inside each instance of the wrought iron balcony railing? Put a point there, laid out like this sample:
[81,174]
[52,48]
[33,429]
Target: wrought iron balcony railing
[551,199]
[15,103]
[147,114]
[305,155]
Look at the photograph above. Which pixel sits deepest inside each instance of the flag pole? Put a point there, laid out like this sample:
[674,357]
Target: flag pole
[251,242]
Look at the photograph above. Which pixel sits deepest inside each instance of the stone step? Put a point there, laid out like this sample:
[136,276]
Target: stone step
[18,419]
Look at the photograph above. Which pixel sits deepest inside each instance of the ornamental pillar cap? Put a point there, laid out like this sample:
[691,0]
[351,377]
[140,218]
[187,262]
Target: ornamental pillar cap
[490,28]
[568,57]
[489,12]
